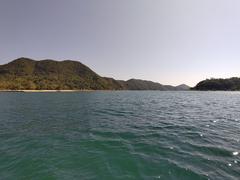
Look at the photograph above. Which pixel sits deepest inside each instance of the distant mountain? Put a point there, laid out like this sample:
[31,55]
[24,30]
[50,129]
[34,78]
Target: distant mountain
[182,87]
[137,84]
[231,84]
[28,74]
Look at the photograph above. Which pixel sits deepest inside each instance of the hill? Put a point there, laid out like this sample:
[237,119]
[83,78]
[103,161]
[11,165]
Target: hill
[138,84]
[28,74]
[182,87]
[231,84]
[25,73]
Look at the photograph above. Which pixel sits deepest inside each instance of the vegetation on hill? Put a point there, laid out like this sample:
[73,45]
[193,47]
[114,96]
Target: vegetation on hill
[231,84]
[137,84]
[28,74]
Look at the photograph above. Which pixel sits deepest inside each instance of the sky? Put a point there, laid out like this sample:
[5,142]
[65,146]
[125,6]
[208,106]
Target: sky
[166,41]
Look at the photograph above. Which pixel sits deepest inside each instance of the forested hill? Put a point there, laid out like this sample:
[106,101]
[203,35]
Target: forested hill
[28,74]
[231,84]
[24,73]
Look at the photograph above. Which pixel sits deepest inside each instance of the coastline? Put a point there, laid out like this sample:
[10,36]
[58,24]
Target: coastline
[46,91]
[80,90]
[90,90]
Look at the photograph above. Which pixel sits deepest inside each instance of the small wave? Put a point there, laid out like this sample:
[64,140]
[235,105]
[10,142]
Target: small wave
[235,153]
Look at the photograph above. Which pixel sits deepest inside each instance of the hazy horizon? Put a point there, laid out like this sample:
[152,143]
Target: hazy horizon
[168,41]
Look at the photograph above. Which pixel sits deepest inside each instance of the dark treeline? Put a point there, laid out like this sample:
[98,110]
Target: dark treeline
[231,84]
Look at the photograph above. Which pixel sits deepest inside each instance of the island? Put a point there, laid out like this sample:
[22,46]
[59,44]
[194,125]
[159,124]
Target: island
[230,84]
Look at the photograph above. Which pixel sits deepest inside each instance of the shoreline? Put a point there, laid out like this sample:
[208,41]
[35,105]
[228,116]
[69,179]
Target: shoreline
[42,91]
[77,90]
[91,90]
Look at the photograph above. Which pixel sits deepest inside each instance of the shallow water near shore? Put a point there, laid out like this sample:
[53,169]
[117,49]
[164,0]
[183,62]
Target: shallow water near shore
[120,135]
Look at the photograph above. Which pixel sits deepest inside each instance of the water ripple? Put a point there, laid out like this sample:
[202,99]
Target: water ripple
[120,135]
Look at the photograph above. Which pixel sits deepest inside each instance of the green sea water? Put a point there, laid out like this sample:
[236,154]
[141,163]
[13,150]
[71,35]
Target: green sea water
[120,135]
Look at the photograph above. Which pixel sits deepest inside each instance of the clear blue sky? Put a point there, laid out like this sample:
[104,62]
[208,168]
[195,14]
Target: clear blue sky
[168,41]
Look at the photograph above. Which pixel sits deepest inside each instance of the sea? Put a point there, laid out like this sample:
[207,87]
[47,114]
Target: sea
[166,135]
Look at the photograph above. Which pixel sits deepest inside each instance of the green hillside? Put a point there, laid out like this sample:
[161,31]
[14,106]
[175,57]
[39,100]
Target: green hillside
[25,73]
[28,74]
